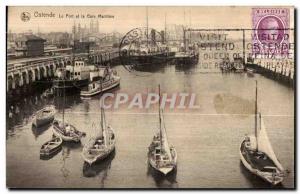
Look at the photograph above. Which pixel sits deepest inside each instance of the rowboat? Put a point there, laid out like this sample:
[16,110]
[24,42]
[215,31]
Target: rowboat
[258,156]
[66,131]
[44,116]
[161,155]
[50,147]
[100,146]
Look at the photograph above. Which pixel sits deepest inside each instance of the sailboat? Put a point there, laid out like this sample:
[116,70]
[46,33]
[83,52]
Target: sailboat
[257,154]
[161,156]
[64,130]
[100,146]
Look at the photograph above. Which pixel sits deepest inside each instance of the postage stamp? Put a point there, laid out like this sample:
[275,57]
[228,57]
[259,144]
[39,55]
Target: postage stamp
[150,97]
[271,30]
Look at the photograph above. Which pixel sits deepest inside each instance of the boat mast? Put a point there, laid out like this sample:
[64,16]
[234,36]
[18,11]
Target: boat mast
[256,114]
[160,132]
[102,119]
[64,100]
[147,25]
[165,28]
[73,50]
[184,32]
[190,25]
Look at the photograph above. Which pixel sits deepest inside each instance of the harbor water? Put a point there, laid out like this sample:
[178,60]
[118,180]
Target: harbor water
[207,139]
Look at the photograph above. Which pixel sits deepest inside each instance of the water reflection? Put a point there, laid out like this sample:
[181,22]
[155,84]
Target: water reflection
[61,102]
[257,182]
[37,131]
[99,168]
[65,155]
[186,68]
[163,181]
[151,68]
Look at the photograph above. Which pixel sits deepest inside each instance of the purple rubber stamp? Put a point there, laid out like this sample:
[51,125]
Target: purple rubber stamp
[271,31]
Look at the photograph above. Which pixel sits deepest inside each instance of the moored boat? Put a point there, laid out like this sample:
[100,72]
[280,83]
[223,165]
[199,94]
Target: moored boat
[100,146]
[44,116]
[258,156]
[107,80]
[73,77]
[66,131]
[161,156]
[51,147]
[186,57]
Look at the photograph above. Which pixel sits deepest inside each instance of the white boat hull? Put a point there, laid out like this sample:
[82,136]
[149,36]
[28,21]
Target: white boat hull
[85,94]
[65,138]
[99,157]
[90,159]
[164,170]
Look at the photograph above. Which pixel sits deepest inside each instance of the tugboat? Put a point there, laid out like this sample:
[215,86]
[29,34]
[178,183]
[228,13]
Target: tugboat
[257,154]
[100,146]
[104,79]
[161,156]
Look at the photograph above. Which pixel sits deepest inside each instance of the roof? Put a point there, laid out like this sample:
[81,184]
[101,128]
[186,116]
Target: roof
[30,37]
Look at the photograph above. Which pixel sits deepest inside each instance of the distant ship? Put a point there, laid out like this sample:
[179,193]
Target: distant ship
[151,49]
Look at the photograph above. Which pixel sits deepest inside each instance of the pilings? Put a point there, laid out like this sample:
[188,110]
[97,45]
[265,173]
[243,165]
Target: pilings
[282,72]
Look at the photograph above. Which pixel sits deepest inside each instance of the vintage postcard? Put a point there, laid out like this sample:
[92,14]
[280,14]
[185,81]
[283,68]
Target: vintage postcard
[133,97]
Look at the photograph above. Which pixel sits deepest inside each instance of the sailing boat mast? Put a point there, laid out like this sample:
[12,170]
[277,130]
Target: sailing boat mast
[190,25]
[256,132]
[147,25]
[160,132]
[165,28]
[102,118]
[184,31]
[64,100]
[73,51]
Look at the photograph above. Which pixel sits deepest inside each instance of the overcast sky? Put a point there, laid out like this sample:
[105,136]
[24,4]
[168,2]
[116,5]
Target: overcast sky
[126,18]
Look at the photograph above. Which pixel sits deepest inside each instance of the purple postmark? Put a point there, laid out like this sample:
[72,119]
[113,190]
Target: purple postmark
[270,31]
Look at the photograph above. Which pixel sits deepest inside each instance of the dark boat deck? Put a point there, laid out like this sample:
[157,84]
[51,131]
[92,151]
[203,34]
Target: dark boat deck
[257,160]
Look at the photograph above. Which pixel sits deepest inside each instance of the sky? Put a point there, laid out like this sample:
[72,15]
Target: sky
[126,18]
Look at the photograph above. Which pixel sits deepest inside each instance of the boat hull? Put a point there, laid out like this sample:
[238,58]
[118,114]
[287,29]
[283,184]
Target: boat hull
[86,94]
[39,121]
[49,152]
[91,159]
[166,169]
[99,157]
[57,132]
[42,122]
[69,86]
[265,176]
